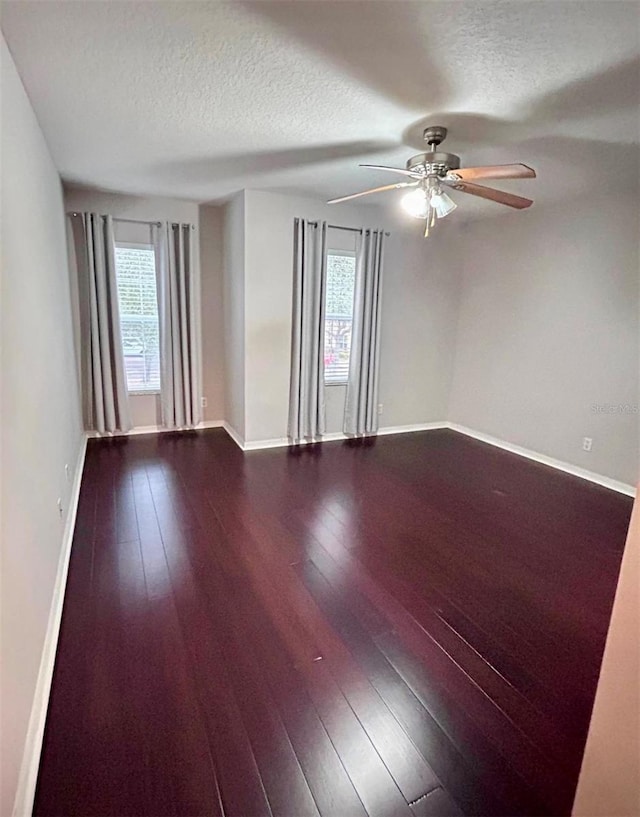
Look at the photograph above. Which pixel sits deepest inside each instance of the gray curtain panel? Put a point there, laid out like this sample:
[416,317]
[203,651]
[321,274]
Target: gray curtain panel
[361,405]
[306,392]
[177,308]
[104,387]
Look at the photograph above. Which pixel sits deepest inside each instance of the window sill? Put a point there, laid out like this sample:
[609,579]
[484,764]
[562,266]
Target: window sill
[143,393]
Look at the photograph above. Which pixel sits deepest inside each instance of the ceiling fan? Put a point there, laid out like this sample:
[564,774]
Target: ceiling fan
[432,171]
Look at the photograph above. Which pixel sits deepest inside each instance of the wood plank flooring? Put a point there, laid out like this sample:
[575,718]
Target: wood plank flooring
[411,626]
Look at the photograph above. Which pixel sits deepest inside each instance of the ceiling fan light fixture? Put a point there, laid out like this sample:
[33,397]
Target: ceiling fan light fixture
[415,203]
[432,170]
[442,203]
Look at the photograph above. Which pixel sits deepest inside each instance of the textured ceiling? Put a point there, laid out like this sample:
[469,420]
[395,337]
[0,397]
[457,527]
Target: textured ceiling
[200,99]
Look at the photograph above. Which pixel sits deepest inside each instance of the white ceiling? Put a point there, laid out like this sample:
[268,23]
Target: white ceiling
[199,99]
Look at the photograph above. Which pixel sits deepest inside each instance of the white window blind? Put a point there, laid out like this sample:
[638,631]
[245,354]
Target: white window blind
[341,278]
[138,301]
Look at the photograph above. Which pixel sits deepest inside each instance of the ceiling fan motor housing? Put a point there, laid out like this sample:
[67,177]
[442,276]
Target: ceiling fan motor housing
[434,163]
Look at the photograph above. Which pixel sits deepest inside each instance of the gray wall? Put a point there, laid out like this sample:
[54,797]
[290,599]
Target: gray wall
[548,327]
[211,260]
[234,312]
[41,425]
[418,323]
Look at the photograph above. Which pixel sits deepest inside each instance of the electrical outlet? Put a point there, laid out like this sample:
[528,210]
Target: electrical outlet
[59,504]
[66,471]
[203,402]
[587,443]
[380,408]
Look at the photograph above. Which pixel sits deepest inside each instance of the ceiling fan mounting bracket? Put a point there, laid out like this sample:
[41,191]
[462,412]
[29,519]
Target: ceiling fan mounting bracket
[435,135]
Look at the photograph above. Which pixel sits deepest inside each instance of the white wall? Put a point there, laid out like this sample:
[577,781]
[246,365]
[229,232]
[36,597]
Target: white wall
[41,425]
[145,409]
[548,327]
[609,784]
[234,312]
[418,318]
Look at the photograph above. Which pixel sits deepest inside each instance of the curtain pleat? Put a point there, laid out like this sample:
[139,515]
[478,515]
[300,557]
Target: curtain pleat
[106,403]
[361,405]
[306,392]
[177,307]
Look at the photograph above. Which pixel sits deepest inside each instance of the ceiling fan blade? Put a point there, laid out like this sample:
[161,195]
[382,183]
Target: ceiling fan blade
[400,170]
[472,174]
[373,190]
[495,195]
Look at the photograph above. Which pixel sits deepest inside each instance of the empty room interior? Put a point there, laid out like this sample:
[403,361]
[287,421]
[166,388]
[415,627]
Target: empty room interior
[320,408]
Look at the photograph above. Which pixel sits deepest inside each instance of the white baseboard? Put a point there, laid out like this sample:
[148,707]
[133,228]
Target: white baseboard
[133,432]
[281,442]
[235,436]
[409,429]
[27,779]
[598,479]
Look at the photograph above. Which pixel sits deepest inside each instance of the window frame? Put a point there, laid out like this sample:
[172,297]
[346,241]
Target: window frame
[136,245]
[344,254]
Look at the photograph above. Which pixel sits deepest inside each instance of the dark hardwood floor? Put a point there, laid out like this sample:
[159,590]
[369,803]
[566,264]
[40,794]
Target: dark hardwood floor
[412,626]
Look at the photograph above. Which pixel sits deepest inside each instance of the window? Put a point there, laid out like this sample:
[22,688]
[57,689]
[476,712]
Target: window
[138,302]
[341,278]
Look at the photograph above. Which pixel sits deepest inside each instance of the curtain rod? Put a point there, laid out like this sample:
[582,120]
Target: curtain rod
[340,227]
[139,221]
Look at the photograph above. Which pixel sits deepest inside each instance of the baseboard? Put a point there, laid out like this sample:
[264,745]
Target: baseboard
[410,428]
[281,442]
[235,436]
[582,473]
[27,779]
[133,432]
